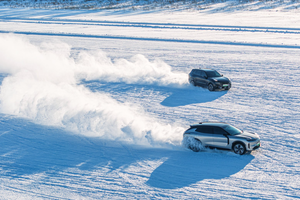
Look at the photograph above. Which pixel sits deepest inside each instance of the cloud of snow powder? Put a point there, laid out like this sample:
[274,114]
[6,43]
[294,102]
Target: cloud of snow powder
[137,70]
[42,85]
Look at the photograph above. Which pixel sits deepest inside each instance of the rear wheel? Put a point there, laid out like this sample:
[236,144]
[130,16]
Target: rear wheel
[239,148]
[211,87]
[193,144]
[193,83]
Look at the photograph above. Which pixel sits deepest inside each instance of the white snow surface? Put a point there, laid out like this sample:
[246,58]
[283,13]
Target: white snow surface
[94,103]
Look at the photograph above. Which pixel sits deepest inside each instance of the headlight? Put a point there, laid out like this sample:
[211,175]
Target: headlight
[215,80]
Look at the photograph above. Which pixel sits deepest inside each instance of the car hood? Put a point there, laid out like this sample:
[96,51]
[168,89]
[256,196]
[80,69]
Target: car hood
[246,134]
[221,79]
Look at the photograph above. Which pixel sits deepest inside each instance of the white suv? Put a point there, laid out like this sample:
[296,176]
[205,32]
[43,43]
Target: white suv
[220,135]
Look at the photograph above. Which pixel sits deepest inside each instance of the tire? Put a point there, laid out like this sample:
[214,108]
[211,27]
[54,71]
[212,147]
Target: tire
[239,148]
[210,87]
[194,144]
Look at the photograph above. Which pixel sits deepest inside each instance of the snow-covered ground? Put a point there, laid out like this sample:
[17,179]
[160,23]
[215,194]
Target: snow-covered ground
[94,103]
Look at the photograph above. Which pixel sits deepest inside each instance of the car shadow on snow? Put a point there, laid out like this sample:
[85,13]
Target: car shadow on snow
[28,149]
[181,97]
[186,168]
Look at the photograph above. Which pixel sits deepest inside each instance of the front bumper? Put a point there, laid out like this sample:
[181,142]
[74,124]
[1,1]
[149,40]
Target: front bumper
[254,145]
[222,86]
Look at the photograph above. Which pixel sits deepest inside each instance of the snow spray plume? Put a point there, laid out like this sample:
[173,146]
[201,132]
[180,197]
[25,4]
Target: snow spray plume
[42,86]
[138,70]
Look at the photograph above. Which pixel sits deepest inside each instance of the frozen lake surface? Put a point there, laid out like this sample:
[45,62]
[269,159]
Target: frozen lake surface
[94,104]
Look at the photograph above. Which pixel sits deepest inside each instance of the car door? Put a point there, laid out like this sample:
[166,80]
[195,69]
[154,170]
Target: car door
[202,79]
[205,135]
[197,77]
[221,138]
[205,80]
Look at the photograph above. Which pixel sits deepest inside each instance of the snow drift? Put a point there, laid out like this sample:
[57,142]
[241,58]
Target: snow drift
[42,85]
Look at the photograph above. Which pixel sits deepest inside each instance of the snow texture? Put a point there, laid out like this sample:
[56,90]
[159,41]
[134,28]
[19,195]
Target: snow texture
[94,103]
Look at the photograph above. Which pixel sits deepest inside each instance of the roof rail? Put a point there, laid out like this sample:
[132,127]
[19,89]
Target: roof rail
[212,122]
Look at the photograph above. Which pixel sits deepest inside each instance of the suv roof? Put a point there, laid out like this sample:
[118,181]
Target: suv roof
[204,69]
[220,124]
[208,70]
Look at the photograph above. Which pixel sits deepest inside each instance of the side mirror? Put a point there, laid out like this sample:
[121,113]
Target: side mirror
[221,74]
[205,77]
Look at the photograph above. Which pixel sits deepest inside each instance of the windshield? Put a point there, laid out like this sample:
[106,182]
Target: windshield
[232,130]
[212,74]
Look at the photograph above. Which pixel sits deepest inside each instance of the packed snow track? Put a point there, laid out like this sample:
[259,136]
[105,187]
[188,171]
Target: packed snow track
[94,104]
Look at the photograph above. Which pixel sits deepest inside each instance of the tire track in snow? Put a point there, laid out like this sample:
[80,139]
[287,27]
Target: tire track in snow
[199,27]
[155,39]
[29,192]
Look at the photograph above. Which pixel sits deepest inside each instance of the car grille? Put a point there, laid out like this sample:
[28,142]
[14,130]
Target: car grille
[223,86]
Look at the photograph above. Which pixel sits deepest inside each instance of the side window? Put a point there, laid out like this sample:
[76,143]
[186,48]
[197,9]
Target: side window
[205,129]
[203,74]
[219,131]
[197,72]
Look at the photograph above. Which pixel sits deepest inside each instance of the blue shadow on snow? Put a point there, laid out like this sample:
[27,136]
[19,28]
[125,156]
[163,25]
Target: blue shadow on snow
[182,97]
[28,148]
[186,167]
[176,96]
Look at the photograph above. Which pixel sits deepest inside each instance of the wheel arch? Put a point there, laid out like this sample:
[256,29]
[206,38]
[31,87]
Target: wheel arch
[238,142]
[195,146]
[213,86]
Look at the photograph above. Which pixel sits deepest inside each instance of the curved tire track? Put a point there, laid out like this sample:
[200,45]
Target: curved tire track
[155,39]
[157,25]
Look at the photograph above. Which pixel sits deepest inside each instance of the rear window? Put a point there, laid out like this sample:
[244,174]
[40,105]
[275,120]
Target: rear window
[196,72]
[205,129]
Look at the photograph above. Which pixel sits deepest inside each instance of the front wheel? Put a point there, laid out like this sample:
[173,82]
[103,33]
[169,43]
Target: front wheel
[211,87]
[239,148]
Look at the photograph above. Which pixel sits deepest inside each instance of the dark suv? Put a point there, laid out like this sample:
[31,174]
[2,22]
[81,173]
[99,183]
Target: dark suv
[210,79]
